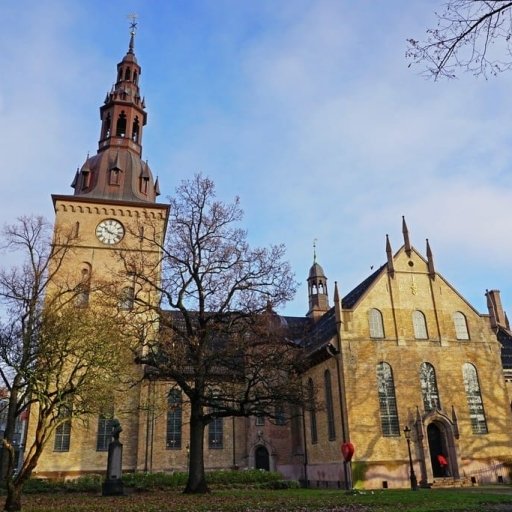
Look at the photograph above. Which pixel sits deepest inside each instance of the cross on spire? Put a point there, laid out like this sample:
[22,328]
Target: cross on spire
[133,29]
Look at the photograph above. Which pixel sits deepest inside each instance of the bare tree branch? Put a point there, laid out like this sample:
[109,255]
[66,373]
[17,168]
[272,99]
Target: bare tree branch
[471,35]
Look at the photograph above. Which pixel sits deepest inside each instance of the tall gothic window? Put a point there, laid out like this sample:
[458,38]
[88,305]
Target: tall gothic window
[387,400]
[174,419]
[63,431]
[216,434]
[475,403]
[429,387]
[216,426]
[420,325]
[376,324]
[312,413]
[461,326]
[331,428]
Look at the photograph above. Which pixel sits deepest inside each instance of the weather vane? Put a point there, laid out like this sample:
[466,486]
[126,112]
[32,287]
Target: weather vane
[133,22]
[314,249]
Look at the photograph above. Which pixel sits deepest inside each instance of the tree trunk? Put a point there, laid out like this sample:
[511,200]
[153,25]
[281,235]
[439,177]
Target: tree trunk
[196,483]
[13,500]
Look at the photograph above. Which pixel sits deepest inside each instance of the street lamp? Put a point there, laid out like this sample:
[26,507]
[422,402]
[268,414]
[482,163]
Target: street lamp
[414,482]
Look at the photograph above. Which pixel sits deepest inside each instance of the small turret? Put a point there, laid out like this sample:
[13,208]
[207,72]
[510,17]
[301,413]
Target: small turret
[407,243]
[430,262]
[317,289]
[389,254]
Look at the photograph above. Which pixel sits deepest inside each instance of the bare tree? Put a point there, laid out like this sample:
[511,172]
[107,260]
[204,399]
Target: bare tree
[471,35]
[56,356]
[220,342]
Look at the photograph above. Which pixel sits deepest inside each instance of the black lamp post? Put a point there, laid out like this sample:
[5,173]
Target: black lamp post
[414,482]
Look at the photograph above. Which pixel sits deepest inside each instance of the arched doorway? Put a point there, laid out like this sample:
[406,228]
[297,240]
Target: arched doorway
[437,446]
[262,460]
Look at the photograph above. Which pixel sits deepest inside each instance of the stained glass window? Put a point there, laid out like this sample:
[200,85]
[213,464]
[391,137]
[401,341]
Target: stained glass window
[429,387]
[387,400]
[475,403]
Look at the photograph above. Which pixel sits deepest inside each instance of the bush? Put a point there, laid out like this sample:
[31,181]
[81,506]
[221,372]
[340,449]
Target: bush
[280,484]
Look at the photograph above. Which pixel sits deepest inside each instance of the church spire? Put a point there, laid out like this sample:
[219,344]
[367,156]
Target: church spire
[117,171]
[133,30]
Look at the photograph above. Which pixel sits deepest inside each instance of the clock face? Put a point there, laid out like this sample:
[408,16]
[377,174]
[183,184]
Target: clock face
[110,231]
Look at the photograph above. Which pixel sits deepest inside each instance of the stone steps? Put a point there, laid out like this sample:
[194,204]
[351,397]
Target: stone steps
[448,481]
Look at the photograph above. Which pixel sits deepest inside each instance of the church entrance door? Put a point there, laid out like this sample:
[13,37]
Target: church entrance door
[438,454]
[262,458]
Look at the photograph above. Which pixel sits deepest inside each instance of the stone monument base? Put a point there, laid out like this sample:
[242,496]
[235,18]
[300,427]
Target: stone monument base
[114,487]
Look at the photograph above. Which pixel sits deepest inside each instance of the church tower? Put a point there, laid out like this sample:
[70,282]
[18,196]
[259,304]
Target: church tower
[116,221]
[114,191]
[317,290]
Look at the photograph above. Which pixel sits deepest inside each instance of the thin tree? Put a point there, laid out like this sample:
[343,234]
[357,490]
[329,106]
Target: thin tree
[56,356]
[470,35]
[220,341]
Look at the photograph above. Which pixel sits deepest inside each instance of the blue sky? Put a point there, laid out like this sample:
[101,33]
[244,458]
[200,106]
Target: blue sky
[305,109]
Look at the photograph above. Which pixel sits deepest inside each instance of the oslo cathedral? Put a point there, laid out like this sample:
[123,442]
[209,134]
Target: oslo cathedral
[402,360]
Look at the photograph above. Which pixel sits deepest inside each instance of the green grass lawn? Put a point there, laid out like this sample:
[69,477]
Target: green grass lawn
[296,500]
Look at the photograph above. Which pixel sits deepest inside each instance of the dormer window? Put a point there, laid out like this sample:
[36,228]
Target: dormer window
[144,184]
[86,178]
[114,176]
[121,125]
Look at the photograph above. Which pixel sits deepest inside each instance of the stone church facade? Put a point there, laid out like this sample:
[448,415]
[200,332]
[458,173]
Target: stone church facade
[403,349]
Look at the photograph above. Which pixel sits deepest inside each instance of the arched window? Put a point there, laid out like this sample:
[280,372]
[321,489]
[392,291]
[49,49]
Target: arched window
[376,323]
[121,125]
[135,130]
[387,400]
[120,74]
[420,325]
[474,397]
[135,77]
[331,428]
[461,326]
[127,298]
[127,74]
[312,412]
[429,387]
[174,419]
